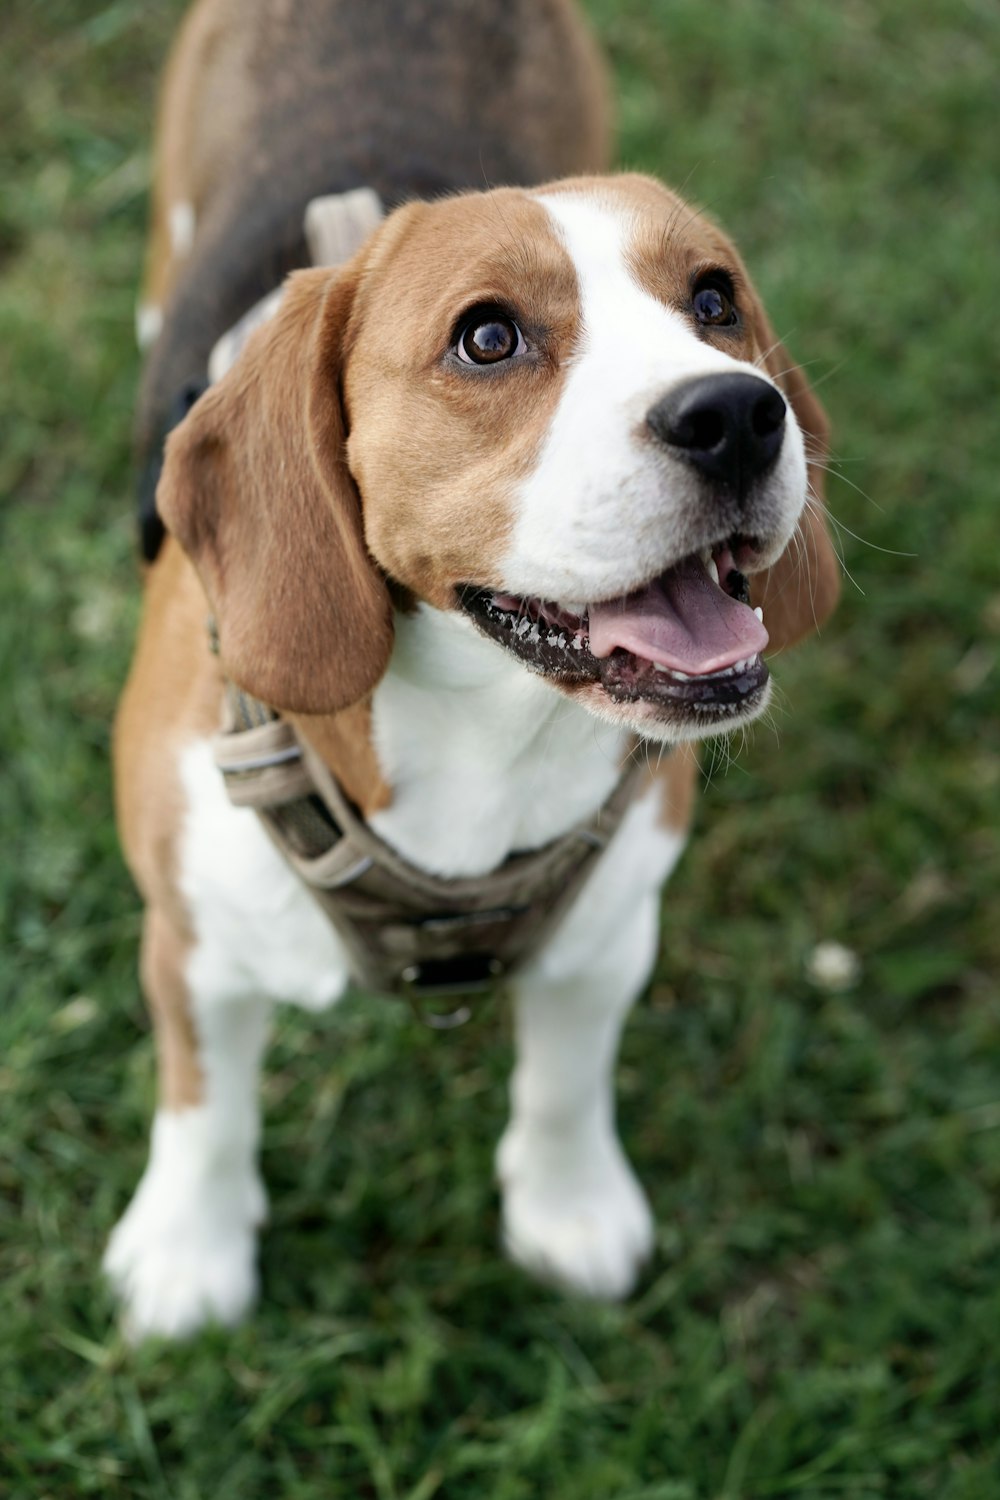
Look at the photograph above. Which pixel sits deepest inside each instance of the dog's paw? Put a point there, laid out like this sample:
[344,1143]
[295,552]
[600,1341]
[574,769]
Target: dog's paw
[582,1224]
[184,1255]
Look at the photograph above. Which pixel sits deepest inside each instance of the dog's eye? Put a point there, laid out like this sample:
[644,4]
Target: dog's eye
[713,302]
[488,339]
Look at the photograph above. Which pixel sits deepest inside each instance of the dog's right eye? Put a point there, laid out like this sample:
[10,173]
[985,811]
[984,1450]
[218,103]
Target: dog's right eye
[486,339]
[713,301]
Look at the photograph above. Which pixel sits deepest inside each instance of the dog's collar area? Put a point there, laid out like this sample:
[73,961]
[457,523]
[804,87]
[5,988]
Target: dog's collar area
[434,941]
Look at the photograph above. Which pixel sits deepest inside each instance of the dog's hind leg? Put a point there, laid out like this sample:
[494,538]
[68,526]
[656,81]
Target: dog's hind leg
[184,1252]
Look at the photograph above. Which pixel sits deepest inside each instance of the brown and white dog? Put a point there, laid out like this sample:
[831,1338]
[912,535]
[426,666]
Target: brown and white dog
[558,404]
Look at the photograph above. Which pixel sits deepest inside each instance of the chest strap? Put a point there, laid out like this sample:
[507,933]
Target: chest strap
[407,932]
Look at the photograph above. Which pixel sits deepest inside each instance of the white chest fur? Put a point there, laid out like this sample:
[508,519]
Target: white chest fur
[483,757]
[259,932]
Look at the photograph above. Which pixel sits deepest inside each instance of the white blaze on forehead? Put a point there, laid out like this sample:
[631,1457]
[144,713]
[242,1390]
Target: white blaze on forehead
[593,518]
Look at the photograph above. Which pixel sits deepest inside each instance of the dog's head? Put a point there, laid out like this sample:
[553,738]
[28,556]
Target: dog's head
[560,413]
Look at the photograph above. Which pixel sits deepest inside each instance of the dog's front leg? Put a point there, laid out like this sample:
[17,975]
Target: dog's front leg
[184,1252]
[573,1211]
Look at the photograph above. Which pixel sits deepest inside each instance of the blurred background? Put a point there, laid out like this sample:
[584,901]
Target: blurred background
[821,1142]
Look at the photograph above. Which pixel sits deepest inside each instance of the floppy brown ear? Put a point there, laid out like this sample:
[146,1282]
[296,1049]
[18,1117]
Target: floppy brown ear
[256,489]
[801,589]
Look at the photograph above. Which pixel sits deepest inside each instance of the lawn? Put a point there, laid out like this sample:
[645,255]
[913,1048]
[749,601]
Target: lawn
[822,1316]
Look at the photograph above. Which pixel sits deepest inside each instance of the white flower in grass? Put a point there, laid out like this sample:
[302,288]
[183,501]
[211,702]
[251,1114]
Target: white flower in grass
[831,966]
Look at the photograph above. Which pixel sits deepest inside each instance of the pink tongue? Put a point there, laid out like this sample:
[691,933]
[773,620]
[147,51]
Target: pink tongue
[682,620]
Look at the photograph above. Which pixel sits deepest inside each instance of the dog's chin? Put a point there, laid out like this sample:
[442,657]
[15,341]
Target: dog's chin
[678,658]
[670,723]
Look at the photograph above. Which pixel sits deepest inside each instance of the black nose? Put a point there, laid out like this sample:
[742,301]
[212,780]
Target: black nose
[728,426]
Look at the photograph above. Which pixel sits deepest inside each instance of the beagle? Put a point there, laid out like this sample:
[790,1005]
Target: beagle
[526,481]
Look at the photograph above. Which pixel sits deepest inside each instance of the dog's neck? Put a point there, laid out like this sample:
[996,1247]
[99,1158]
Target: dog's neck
[481,757]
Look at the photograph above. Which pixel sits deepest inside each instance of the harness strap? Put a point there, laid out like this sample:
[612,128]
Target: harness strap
[408,932]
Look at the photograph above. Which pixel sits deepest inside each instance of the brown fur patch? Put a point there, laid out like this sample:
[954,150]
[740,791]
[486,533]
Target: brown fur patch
[801,589]
[344,742]
[677,775]
[161,967]
[256,489]
[437,446]
[172,696]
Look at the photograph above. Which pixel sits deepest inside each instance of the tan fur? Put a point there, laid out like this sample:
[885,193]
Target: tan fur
[172,695]
[802,588]
[256,489]
[164,951]
[677,777]
[344,741]
[437,489]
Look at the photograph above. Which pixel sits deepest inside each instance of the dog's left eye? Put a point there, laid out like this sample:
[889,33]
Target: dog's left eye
[488,339]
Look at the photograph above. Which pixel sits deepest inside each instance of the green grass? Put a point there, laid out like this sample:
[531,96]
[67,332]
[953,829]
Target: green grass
[822,1315]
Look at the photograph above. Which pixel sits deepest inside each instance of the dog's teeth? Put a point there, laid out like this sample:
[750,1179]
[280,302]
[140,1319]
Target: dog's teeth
[713,571]
[759,613]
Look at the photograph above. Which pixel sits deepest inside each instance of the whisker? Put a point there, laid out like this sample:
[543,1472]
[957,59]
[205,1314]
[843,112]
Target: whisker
[831,465]
[813,503]
[889,551]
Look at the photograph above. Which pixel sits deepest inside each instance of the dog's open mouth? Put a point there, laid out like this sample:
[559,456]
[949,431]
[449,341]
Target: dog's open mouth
[688,640]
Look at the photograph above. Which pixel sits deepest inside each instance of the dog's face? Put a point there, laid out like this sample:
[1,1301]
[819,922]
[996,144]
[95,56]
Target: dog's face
[549,411]
[559,424]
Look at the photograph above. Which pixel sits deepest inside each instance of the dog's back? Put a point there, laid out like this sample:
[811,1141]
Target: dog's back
[266,106]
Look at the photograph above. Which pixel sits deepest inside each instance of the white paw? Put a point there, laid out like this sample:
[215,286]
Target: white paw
[184,1252]
[179,1265]
[574,1216]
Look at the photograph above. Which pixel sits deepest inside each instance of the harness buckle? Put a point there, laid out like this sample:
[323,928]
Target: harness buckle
[463,974]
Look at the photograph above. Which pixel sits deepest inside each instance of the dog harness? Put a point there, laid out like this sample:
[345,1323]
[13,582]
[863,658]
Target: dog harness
[408,932]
